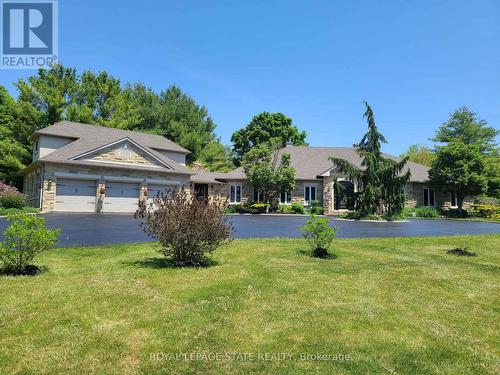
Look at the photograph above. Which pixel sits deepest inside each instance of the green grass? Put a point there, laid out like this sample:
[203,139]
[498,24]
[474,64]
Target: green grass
[392,305]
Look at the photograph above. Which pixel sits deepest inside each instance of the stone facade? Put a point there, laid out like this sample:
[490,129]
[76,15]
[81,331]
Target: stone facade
[414,194]
[124,154]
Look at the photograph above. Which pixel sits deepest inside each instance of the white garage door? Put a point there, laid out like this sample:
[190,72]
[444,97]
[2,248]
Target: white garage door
[121,197]
[75,195]
[154,190]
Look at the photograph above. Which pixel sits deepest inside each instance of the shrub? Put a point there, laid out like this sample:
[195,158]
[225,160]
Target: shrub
[12,200]
[297,208]
[315,204]
[285,208]
[319,235]
[430,212]
[488,211]
[260,207]
[24,239]
[317,210]
[4,188]
[484,199]
[188,229]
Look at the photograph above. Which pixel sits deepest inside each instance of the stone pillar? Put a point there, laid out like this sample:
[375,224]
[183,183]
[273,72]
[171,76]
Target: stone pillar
[328,194]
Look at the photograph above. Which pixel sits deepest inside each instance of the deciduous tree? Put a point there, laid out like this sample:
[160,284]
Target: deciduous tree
[266,128]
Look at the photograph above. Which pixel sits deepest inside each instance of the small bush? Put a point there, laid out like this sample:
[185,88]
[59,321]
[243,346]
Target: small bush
[188,229]
[315,204]
[24,239]
[285,208]
[421,211]
[317,210]
[319,235]
[12,200]
[489,211]
[260,207]
[484,199]
[297,208]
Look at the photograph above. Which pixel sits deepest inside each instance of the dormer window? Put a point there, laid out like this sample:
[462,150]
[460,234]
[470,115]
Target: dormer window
[125,151]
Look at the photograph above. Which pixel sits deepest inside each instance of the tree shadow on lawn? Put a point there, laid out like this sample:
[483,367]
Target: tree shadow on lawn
[30,270]
[160,263]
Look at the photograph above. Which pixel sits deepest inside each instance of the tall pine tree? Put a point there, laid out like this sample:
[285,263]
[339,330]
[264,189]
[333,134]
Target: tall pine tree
[381,180]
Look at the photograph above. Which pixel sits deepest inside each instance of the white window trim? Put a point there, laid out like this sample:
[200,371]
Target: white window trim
[307,203]
[429,197]
[258,192]
[291,196]
[241,193]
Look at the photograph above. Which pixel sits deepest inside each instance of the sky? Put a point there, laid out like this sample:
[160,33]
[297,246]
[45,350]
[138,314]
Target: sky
[415,62]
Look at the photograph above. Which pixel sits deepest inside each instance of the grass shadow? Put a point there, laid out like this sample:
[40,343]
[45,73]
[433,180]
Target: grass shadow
[161,263]
[30,270]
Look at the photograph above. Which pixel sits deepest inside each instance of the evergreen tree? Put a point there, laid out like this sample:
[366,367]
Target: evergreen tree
[381,180]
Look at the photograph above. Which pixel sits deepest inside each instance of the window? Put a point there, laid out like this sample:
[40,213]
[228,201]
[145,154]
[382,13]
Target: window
[235,194]
[286,197]
[453,200]
[309,194]
[429,197]
[258,196]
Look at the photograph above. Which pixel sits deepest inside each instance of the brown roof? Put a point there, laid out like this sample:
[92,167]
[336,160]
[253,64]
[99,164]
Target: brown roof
[310,162]
[99,134]
[90,137]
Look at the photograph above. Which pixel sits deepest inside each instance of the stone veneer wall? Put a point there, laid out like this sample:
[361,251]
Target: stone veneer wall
[49,188]
[414,193]
[133,158]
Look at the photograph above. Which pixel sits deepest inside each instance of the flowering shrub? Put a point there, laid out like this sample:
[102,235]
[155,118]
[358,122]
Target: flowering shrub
[10,197]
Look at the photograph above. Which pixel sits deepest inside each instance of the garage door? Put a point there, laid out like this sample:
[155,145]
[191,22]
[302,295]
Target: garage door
[75,195]
[154,190]
[121,197]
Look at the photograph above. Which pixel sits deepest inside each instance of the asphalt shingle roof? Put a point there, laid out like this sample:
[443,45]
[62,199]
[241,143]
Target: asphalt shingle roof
[90,137]
[96,134]
[310,162]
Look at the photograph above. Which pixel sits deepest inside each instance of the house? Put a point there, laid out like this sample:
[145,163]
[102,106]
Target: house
[86,168]
[318,179]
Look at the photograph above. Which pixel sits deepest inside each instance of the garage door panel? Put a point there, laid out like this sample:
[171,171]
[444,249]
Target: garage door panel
[75,195]
[121,197]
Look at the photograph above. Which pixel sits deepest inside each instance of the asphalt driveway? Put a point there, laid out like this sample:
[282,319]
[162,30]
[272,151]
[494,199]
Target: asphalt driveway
[96,229]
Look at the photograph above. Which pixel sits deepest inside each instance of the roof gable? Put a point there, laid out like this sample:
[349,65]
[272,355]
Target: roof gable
[124,151]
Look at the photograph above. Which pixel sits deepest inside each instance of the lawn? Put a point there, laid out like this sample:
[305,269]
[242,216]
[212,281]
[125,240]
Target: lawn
[399,305]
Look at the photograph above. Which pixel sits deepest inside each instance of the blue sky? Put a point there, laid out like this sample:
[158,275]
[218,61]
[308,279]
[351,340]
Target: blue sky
[414,61]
